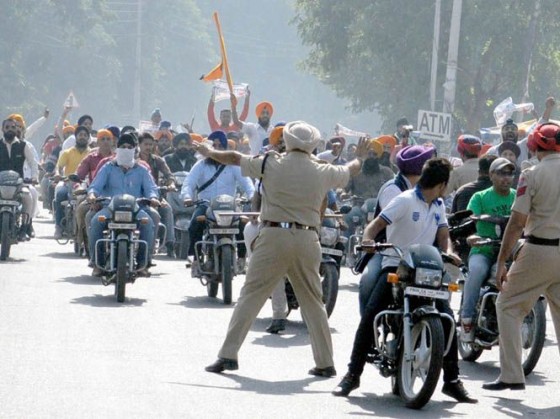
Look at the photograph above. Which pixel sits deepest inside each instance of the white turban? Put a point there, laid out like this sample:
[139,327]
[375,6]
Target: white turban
[299,135]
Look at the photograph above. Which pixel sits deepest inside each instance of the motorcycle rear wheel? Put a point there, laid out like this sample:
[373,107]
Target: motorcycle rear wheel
[226,271]
[5,241]
[183,245]
[533,332]
[329,282]
[418,378]
[120,279]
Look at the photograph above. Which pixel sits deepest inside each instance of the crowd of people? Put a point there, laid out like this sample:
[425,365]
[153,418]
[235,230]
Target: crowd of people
[292,174]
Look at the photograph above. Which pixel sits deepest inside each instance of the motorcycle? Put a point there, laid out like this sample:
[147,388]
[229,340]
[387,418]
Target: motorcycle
[485,321]
[359,214]
[333,244]
[182,217]
[11,210]
[121,243]
[217,251]
[76,194]
[409,338]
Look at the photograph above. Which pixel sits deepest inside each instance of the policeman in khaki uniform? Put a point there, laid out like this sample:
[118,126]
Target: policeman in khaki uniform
[294,186]
[536,211]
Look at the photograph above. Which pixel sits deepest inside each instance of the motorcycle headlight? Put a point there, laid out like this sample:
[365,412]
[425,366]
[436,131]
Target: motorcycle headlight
[122,216]
[223,220]
[329,236]
[8,192]
[428,277]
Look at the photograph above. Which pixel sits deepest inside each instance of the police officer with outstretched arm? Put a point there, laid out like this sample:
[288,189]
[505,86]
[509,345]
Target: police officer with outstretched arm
[293,188]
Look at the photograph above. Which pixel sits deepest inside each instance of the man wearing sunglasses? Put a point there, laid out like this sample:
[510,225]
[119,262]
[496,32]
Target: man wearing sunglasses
[497,201]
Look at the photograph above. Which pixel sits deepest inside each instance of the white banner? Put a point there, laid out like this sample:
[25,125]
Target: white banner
[71,101]
[146,126]
[506,108]
[341,130]
[220,90]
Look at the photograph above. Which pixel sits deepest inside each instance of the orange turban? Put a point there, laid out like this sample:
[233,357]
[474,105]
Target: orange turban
[231,145]
[275,134]
[104,133]
[66,123]
[17,117]
[484,149]
[376,147]
[262,106]
[69,129]
[197,137]
[160,134]
[387,140]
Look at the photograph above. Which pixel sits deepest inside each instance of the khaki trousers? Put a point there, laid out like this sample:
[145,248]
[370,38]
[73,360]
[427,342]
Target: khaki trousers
[534,273]
[279,252]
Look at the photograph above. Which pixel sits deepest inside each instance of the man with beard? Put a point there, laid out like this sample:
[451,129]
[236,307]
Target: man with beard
[85,121]
[14,153]
[182,159]
[367,183]
[468,147]
[334,155]
[69,160]
[255,132]
[208,179]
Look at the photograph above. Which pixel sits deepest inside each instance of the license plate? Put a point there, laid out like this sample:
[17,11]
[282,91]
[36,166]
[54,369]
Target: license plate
[4,202]
[224,231]
[330,251]
[425,292]
[122,226]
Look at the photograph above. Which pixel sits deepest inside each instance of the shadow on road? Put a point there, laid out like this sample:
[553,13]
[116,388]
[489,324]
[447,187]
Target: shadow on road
[203,301]
[262,386]
[516,409]
[60,255]
[13,260]
[349,287]
[99,300]
[81,280]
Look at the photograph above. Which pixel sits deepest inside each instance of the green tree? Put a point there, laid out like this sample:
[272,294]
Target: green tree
[377,53]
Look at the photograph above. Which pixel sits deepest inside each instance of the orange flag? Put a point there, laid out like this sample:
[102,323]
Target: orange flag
[214,74]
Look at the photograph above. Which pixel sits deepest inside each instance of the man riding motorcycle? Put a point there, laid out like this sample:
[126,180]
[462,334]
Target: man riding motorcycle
[123,175]
[208,179]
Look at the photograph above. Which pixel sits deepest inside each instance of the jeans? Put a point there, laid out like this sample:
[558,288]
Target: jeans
[367,281]
[379,300]
[61,194]
[479,269]
[96,233]
[167,219]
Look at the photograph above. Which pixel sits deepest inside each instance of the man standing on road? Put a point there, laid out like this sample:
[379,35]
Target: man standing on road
[291,218]
[535,270]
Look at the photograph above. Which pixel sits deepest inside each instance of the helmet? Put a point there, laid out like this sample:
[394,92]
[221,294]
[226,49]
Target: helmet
[411,159]
[469,144]
[545,137]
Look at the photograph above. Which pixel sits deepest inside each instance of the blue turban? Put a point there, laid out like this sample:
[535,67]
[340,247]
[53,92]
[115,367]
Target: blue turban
[221,136]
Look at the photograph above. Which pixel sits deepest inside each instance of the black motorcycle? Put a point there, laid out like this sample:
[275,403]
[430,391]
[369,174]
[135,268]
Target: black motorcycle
[11,210]
[121,243]
[409,338]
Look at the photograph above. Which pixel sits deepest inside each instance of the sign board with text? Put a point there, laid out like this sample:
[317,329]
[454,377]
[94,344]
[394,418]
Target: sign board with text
[434,126]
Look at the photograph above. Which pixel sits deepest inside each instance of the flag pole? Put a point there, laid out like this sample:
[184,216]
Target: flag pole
[224,54]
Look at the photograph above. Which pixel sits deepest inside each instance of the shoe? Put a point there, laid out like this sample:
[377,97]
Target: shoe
[30,230]
[467,331]
[349,382]
[189,263]
[195,269]
[322,372]
[500,385]
[276,326]
[170,248]
[57,232]
[223,364]
[97,272]
[143,273]
[22,235]
[458,392]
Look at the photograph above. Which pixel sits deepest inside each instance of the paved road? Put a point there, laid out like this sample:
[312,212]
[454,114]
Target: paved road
[69,350]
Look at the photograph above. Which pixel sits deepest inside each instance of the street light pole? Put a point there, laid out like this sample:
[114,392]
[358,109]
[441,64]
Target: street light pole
[435,49]
[452,54]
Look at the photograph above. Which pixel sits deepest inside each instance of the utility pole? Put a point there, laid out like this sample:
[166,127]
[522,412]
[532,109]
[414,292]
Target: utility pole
[138,64]
[452,54]
[435,49]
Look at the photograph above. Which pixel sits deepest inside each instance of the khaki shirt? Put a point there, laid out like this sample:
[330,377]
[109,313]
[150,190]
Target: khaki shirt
[294,185]
[538,196]
[466,173]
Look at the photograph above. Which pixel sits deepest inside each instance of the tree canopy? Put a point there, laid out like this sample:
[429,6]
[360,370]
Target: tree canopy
[377,54]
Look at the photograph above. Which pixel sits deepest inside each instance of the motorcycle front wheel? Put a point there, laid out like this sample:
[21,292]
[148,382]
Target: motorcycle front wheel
[417,378]
[226,272]
[5,242]
[533,333]
[120,280]
[329,275]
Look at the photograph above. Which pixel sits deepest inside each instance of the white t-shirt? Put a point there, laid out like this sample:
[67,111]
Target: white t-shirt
[256,135]
[412,221]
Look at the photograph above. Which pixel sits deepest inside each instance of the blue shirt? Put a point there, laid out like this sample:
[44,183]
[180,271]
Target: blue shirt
[224,184]
[111,180]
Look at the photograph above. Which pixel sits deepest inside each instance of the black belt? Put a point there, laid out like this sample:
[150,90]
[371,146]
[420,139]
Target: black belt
[297,226]
[543,242]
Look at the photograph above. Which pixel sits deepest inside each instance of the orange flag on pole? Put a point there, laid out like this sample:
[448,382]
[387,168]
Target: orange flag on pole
[214,74]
